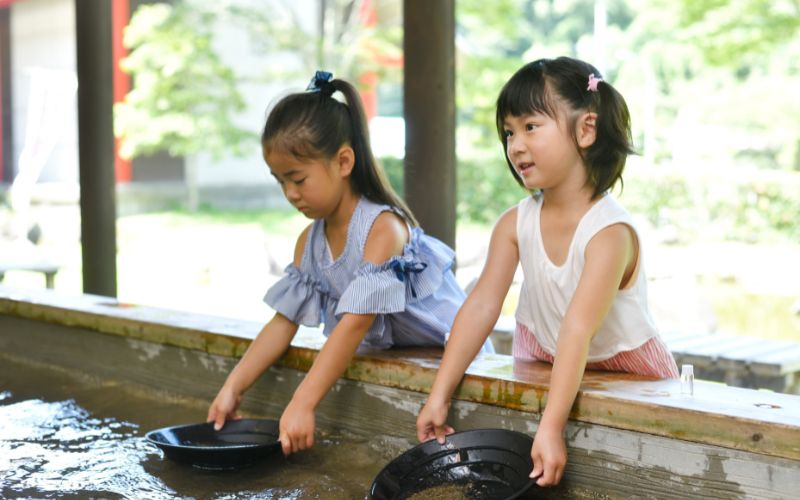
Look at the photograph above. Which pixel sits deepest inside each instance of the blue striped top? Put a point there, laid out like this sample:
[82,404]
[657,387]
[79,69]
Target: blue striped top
[414,296]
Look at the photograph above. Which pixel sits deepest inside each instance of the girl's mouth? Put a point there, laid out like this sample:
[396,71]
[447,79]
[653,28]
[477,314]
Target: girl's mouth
[522,167]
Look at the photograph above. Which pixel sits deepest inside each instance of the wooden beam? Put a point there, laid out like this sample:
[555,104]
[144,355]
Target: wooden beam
[96,146]
[6,111]
[429,110]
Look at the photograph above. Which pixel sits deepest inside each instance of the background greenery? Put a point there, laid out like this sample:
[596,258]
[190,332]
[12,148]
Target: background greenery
[716,75]
[710,84]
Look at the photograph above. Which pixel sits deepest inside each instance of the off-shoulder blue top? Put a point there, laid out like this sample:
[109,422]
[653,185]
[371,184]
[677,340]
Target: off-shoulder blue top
[414,296]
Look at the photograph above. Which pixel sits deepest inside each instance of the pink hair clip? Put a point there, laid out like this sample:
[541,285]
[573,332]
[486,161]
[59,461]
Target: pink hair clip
[593,81]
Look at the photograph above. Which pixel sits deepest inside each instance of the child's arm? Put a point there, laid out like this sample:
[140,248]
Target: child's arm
[266,349]
[297,422]
[386,238]
[473,324]
[270,344]
[610,256]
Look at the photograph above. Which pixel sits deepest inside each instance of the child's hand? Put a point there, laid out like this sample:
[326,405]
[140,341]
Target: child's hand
[549,455]
[296,428]
[432,422]
[224,407]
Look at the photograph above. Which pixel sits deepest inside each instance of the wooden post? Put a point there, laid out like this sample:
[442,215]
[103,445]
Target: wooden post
[6,122]
[96,146]
[429,110]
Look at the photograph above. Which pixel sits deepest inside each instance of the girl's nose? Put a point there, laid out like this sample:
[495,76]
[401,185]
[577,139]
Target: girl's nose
[513,146]
[291,192]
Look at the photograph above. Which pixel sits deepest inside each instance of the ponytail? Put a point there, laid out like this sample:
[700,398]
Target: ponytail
[314,124]
[605,159]
[368,176]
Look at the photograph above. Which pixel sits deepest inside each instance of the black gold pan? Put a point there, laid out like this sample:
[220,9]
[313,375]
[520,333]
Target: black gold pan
[238,444]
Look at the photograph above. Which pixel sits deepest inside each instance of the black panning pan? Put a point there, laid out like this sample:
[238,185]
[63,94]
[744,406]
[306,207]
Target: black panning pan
[238,444]
[481,464]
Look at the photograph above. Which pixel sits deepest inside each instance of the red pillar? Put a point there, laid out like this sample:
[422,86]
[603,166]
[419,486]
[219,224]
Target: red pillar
[369,79]
[2,156]
[120,15]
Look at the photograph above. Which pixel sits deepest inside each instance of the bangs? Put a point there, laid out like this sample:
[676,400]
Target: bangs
[295,143]
[290,127]
[524,94]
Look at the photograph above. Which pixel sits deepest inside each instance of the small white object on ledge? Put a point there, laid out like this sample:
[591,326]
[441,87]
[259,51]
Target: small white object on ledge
[687,380]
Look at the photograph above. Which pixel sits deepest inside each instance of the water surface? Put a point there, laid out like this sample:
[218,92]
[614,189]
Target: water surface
[69,436]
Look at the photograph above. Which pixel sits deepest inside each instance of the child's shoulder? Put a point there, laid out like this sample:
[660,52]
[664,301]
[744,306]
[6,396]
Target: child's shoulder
[388,222]
[387,237]
[506,224]
[510,216]
[300,246]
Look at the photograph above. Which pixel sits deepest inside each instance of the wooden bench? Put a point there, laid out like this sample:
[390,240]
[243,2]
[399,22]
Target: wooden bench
[738,361]
[49,269]
[14,261]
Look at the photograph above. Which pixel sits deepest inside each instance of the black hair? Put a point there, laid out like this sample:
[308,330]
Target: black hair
[538,86]
[313,125]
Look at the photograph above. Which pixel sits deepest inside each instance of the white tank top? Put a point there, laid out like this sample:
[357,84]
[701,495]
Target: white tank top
[547,289]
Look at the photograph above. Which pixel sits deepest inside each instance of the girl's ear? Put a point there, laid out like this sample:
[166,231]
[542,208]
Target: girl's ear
[346,159]
[586,132]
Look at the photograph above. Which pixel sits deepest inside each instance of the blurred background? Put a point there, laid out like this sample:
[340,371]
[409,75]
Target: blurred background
[712,87]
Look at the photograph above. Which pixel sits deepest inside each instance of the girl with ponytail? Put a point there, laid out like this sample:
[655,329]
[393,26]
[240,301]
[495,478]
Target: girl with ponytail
[363,267]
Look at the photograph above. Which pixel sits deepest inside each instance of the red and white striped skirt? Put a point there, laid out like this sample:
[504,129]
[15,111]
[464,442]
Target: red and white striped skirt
[651,358]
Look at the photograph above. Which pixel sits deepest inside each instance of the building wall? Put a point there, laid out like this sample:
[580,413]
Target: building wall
[42,33]
[43,37]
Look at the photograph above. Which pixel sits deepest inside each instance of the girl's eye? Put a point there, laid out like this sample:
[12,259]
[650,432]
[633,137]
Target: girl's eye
[300,181]
[507,133]
[530,126]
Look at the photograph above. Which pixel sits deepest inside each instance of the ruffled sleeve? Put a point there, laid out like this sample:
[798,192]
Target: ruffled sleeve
[388,288]
[297,296]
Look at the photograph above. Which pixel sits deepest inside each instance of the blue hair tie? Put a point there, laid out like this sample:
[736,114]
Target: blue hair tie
[320,80]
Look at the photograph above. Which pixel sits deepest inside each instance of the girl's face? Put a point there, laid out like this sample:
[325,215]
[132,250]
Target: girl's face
[542,150]
[313,186]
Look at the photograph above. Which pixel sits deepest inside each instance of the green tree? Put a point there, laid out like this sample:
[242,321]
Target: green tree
[727,63]
[184,97]
[339,41]
[732,31]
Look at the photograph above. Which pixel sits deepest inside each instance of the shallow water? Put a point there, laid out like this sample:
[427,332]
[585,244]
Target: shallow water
[65,436]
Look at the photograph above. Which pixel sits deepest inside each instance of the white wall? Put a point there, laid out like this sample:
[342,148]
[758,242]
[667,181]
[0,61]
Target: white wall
[43,36]
[249,64]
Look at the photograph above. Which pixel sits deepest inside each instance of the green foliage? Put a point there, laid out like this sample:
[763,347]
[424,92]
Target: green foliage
[494,40]
[657,197]
[183,96]
[738,205]
[338,42]
[732,31]
[765,315]
[394,172]
[485,189]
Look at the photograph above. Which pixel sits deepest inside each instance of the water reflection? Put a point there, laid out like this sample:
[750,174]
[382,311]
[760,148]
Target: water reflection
[58,447]
[63,436]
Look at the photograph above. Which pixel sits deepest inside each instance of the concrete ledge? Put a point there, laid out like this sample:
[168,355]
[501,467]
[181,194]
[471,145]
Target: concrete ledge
[739,361]
[628,437]
[754,421]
